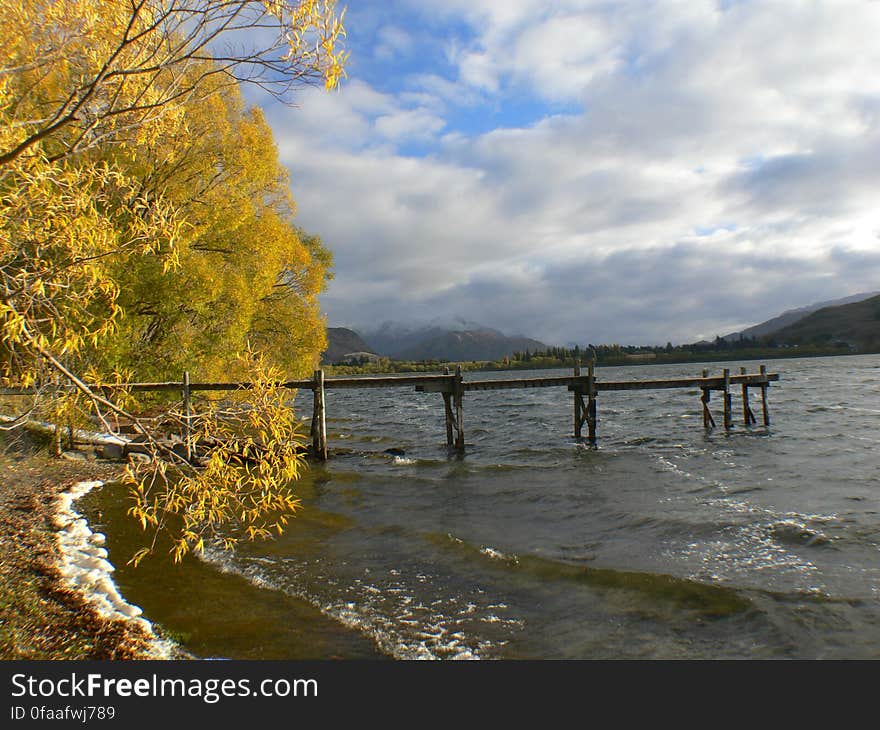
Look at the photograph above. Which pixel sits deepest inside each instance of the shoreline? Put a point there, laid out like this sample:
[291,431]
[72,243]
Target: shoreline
[485,366]
[58,598]
[85,569]
[44,614]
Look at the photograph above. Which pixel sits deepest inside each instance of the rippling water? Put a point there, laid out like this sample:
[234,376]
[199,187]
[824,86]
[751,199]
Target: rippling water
[665,541]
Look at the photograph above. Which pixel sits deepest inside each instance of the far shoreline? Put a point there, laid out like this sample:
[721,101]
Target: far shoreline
[434,366]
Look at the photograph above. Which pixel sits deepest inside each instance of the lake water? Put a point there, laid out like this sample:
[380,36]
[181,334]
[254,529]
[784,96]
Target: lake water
[666,541]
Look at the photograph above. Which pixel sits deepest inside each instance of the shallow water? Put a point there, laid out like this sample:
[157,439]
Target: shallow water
[665,541]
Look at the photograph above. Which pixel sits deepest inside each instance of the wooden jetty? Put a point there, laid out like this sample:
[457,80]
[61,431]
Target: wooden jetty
[585,389]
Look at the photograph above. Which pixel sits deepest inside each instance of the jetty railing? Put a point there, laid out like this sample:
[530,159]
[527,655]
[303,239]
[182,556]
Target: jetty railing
[452,386]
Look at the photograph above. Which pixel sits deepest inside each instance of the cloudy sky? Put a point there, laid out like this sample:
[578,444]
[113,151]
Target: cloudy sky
[594,171]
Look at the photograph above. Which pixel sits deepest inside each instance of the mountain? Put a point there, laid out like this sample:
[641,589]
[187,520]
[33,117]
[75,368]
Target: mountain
[341,342]
[856,324]
[791,316]
[453,340]
[469,345]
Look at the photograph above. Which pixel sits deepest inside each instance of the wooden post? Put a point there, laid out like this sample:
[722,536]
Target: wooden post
[764,396]
[591,404]
[727,400]
[187,416]
[748,416]
[708,420]
[319,419]
[450,418]
[458,395]
[578,419]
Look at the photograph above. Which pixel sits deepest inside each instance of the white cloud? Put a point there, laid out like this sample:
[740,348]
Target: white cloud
[715,164]
[392,41]
[409,124]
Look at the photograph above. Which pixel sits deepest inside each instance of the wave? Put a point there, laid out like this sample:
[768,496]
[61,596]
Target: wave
[86,570]
[704,599]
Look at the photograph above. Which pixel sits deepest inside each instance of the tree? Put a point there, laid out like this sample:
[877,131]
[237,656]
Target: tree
[246,273]
[79,74]
[87,91]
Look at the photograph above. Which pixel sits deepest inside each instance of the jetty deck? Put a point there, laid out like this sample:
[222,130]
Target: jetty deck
[585,388]
[452,386]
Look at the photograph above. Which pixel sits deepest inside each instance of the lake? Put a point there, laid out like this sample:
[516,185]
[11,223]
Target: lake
[666,541]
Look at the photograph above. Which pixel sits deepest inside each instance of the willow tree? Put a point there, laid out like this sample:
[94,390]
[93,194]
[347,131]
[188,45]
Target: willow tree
[245,273]
[87,90]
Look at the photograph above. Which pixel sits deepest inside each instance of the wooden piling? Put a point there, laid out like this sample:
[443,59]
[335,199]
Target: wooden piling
[727,400]
[764,396]
[458,397]
[708,420]
[748,416]
[450,417]
[319,419]
[591,404]
[187,416]
[578,403]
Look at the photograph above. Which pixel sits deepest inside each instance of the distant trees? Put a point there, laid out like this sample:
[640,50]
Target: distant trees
[616,353]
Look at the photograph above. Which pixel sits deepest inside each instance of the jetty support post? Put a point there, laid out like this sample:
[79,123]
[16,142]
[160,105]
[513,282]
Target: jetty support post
[458,400]
[708,420]
[187,416]
[319,418]
[584,413]
[578,404]
[764,386]
[591,403]
[728,421]
[450,416]
[748,416]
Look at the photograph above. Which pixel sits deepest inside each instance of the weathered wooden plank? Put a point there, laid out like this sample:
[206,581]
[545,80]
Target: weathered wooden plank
[514,383]
[727,400]
[591,403]
[319,418]
[764,397]
[581,382]
[458,409]
[711,383]
[748,415]
[440,383]
[704,399]
[398,381]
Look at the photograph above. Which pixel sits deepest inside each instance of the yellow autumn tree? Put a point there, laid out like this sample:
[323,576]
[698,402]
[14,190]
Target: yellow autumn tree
[88,91]
[245,273]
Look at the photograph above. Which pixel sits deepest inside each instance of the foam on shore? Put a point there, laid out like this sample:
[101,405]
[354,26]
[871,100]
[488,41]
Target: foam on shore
[85,569]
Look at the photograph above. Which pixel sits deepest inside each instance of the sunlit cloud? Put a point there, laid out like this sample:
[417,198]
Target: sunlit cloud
[589,172]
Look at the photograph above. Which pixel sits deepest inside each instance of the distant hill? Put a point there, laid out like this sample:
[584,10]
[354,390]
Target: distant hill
[469,345]
[457,339]
[856,324]
[791,316]
[341,342]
